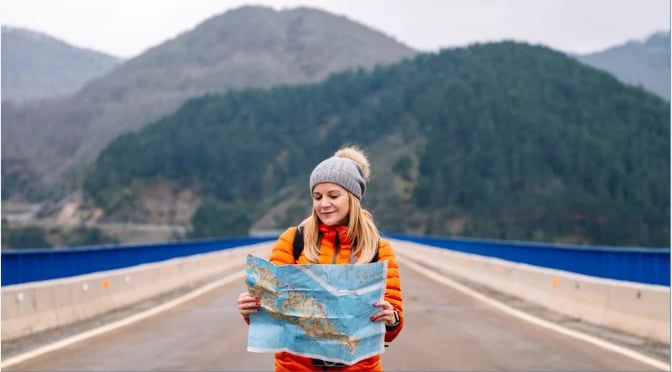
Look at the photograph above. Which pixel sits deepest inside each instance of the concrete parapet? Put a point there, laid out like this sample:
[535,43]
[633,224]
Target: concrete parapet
[33,307]
[638,309]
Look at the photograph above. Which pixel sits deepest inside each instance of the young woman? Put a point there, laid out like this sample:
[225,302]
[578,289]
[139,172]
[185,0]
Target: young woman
[338,231]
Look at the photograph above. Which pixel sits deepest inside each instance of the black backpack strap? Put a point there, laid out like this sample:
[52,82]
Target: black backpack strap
[375,257]
[298,243]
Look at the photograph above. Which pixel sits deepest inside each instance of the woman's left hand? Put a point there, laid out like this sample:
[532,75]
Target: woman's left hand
[386,313]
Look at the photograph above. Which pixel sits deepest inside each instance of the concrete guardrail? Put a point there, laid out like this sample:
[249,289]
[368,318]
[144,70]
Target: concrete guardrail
[638,309]
[33,307]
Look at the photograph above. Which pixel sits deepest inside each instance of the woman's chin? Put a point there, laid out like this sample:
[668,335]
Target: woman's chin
[329,221]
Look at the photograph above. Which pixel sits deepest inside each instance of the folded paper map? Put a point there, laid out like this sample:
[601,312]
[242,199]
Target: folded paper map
[317,311]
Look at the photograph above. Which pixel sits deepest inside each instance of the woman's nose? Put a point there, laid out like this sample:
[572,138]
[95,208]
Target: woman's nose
[324,203]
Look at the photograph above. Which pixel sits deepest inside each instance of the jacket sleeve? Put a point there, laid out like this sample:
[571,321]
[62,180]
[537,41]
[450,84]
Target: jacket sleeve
[282,253]
[393,286]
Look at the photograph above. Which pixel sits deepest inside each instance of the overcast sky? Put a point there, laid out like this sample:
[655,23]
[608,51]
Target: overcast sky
[125,28]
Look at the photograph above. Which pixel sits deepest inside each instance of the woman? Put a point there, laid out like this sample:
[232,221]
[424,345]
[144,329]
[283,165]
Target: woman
[337,185]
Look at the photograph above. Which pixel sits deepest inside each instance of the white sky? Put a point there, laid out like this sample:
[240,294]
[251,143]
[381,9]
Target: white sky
[125,28]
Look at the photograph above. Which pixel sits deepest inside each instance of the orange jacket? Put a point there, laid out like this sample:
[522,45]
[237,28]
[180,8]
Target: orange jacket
[283,254]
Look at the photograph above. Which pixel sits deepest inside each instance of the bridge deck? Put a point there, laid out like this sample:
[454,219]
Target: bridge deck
[446,329]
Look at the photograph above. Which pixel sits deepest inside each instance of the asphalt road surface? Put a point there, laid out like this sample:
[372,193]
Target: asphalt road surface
[445,330]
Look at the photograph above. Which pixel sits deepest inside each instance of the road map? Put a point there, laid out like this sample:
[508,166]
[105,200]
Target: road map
[317,311]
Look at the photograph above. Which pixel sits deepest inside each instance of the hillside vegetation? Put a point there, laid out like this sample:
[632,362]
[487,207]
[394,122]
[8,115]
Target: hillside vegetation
[250,46]
[501,140]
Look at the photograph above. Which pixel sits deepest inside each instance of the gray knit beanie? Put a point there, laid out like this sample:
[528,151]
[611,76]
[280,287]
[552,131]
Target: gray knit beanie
[348,168]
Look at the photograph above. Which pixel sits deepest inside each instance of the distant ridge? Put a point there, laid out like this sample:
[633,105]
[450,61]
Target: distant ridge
[37,66]
[644,63]
[250,46]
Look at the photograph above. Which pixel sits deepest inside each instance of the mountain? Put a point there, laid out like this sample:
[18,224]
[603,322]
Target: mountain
[503,140]
[646,63]
[37,66]
[247,47]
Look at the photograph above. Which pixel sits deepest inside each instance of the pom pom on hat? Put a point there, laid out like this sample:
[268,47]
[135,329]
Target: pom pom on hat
[348,168]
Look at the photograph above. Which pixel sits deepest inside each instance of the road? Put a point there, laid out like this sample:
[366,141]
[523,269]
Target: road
[446,330]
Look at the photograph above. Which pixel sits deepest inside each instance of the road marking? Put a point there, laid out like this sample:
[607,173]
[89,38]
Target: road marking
[529,318]
[121,323]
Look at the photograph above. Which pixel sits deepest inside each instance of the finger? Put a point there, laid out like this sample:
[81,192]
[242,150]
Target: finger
[248,299]
[248,305]
[383,315]
[384,304]
[248,310]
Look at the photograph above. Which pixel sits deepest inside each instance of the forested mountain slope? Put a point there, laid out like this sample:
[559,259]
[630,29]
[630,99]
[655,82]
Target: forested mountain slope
[249,46]
[500,140]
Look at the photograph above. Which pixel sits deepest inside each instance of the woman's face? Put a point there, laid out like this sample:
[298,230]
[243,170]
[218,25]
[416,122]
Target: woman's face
[331,202]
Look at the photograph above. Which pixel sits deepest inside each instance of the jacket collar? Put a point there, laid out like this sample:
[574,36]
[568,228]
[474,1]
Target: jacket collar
[330,231]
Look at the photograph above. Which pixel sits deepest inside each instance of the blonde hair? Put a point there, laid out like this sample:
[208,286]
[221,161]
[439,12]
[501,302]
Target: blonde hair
[361,228]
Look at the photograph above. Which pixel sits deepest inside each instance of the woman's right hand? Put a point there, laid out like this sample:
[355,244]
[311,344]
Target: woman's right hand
[248,304]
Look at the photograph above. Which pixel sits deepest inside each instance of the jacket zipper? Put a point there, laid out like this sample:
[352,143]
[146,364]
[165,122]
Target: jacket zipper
[337,247]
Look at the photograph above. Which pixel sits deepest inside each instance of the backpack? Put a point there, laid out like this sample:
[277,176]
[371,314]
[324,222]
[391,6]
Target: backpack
[298,245]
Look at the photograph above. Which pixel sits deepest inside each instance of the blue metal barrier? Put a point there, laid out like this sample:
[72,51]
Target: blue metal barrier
[642,265]
[28,265]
